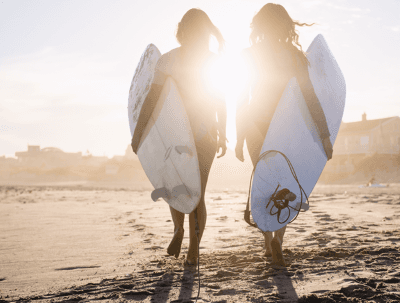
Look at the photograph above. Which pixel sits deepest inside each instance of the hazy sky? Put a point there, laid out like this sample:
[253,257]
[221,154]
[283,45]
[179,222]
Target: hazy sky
[66,66]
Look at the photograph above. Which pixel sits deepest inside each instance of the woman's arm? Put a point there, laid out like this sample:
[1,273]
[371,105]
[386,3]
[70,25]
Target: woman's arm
[221,114]
[315,109]
[241,123]
[145,113]
[242,104]
[148,105]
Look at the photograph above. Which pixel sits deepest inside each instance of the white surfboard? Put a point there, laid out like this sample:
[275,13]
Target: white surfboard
[166,150]
[292,132]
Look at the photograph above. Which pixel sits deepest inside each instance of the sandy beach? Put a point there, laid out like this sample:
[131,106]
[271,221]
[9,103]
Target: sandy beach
[82,243]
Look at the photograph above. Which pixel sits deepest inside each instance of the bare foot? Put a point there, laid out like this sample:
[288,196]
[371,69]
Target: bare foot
[267,253]
[277,256]
[190,263]
[174,248]
[191,258]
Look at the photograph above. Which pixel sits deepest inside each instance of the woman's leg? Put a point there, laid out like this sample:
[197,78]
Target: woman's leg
[254,141]
[178,218]
[276,245]
[280,233]
[206,149]
[267,243]
[193,241]
[273,244]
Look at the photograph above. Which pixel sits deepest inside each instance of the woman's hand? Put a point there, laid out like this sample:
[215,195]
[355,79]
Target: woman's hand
[239,152]
[328,147]
[221,145]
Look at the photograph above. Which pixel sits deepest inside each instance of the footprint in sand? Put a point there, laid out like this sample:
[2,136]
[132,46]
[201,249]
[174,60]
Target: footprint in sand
[322,215]
[150,236]
[325,218]
[139,227]
[324,229]
[155,247]
[77,267]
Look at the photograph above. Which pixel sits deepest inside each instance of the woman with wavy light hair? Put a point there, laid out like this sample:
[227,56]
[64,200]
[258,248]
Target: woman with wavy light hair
[275,56]
[189,65]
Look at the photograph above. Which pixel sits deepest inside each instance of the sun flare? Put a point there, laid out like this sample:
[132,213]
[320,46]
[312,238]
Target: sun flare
[229,76]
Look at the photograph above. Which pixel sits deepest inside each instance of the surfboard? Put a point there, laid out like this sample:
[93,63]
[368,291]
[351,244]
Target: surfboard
[292,133]
[167,150]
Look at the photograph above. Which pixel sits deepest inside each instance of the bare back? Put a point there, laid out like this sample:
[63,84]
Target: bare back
[198,93]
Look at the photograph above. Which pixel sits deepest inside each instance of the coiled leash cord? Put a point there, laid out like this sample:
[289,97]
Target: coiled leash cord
[278,198]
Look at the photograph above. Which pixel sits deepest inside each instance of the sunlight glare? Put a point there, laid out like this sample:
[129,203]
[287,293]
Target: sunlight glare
[229,75]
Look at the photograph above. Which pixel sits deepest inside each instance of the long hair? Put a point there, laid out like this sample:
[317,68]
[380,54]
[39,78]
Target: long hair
[274,22]
[196,23]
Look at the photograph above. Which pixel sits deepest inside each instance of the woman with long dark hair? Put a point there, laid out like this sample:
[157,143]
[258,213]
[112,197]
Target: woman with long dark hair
[275,56]
[189,65]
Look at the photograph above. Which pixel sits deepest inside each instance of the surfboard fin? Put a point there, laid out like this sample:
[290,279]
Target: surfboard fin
[175,192]
[180,190]
[302,206]
[182,149]
[159,193]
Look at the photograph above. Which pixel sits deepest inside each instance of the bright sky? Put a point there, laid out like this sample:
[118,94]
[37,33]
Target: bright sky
[66,66]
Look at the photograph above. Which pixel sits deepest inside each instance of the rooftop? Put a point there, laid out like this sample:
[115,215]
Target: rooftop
[363,126]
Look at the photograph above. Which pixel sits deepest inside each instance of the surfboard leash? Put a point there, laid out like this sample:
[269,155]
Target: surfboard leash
[281,202]
[277,202]
[197,231]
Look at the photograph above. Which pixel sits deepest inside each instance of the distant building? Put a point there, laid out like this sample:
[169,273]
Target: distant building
[7,162]
[91,160]
[366,137]
[356,140]
[49,157]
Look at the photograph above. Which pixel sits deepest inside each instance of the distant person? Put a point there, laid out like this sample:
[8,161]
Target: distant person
[274,57]
[190,65]
[371,181]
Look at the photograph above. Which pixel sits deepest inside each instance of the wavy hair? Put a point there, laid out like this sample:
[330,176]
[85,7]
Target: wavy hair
[196,22]
[274,21]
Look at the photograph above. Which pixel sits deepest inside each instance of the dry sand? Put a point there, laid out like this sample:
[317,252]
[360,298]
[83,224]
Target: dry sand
[79,243]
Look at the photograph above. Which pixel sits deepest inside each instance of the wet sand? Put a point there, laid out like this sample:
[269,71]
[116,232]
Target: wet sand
[81,244]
